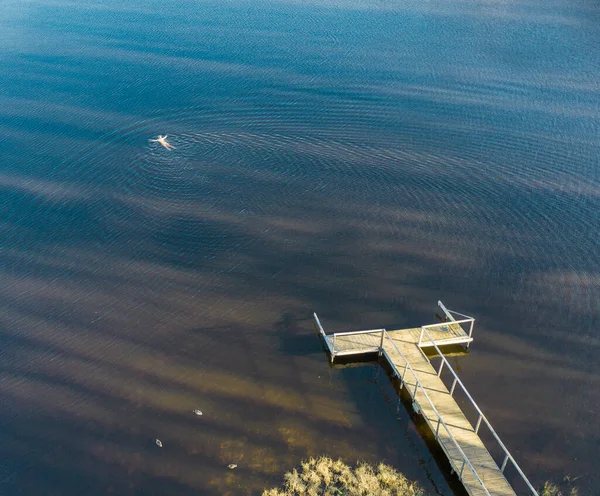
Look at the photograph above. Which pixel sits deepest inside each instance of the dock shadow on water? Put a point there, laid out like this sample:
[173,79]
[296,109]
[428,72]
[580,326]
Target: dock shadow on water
[317,167]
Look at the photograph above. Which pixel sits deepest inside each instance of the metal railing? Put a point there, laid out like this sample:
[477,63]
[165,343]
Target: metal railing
[449,312]
[481,417]
[417,387]
[355,333]
[451,321]
[440,421]
[331,344]
[471,321]
[385,337]
[318,322]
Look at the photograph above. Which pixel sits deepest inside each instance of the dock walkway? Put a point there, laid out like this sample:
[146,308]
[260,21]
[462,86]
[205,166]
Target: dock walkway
[457,436]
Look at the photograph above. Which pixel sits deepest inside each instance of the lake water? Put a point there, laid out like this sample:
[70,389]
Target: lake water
[357,158]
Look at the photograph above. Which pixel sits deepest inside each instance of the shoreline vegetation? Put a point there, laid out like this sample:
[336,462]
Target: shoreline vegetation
[551,489]
[327,477]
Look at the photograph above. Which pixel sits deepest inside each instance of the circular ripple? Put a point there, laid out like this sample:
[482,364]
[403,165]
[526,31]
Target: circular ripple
[238,161]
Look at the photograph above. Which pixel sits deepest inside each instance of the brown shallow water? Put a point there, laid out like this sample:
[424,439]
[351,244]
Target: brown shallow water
[357,159]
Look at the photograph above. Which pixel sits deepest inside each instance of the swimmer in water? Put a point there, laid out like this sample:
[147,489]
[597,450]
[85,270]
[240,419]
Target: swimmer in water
[163,141]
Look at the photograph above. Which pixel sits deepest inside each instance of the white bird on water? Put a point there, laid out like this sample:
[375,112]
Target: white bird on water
[163,141]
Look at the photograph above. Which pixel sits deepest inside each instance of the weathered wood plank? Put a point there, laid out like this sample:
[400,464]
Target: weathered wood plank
[404,346]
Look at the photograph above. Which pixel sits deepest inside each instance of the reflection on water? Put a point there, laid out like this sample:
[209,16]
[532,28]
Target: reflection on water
[360,159]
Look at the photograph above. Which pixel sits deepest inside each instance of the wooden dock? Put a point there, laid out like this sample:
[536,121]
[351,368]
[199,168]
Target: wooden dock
[469,458]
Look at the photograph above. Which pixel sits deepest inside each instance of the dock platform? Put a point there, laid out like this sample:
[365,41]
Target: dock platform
[457,436]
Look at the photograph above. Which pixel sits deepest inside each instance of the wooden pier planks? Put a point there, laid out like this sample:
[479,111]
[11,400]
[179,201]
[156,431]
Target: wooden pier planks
[457,423]
[350,343]
[406,343]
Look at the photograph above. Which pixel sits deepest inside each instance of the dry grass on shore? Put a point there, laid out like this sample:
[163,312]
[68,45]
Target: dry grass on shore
[326,477]
[551,489]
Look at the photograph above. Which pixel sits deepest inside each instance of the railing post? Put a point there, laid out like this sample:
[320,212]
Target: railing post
[504,463]
[478,423]
[471,331]
[441,367]
[381,343]
[404,373]
[333,348]
[461,469]
[437,429]
[453,386]
[420,337]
